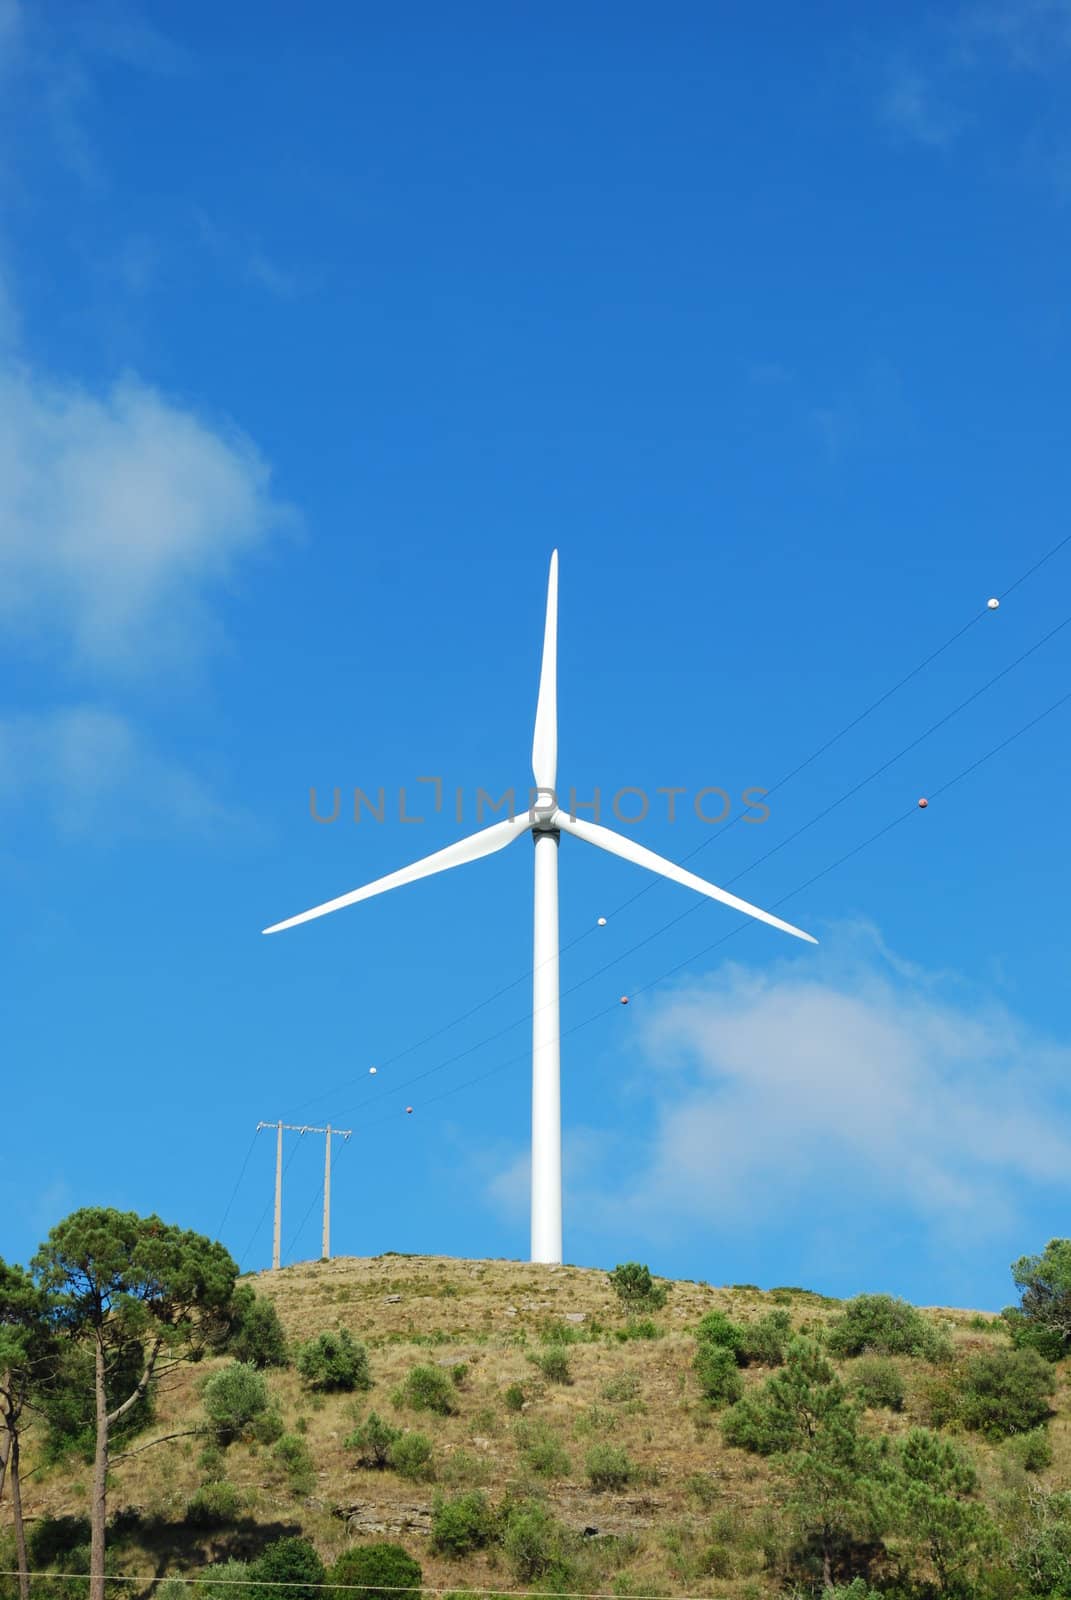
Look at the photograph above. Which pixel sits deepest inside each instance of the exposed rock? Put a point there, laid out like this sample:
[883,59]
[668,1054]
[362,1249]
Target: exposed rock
[364,1517]
[392,1299]
[576,1316]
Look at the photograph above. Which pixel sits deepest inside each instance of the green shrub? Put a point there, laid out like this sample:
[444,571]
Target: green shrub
[764,1342]
[624,1387]
[428,1389]
[553,1364]
[878,1383]
[514,1397]
[1001,1392]
[541,1450]
[268,1427]
[210,1460]
[373,1440]
[411,1457]
[534,1544]
[334,1361]
[608,1467]
[720,1382]
[463,1470]
[636,1290]
[703,1489]
[1041,1554]
[461,1525]
[378,1571]
[800,1399]
[638,1328]
[459,1371]
[1027,1334]
[214,1505]
[292,1561]
[255,1334]
[223,1581]
[233,1398]
[1032,1451]
[720,1332]
[886,1326]
[292,1452]
[555,1332]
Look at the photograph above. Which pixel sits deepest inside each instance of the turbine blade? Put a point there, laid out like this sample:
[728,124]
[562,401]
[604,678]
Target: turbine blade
[545,740]
[617,845]
[484,843]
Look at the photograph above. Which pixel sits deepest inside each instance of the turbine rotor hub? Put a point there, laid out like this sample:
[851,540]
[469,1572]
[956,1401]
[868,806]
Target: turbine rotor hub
[543,811]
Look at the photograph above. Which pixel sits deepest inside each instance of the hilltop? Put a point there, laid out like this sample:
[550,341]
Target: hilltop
[698,1516]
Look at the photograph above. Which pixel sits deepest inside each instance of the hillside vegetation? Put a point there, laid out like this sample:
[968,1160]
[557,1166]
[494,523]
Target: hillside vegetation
[562,1442]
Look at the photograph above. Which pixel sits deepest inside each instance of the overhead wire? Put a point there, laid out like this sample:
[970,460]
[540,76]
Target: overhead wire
[271,1202]
[646,888]
[237,1186]
[741,927]
[699,904]
[786,778]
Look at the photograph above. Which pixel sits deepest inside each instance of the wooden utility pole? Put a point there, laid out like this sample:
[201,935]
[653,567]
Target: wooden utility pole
[290,1127]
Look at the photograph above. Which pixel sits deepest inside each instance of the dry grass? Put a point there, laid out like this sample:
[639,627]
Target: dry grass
[706,1535]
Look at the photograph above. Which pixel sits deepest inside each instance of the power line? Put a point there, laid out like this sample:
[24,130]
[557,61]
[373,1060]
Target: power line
[237,1186]
[732,933]
[786,778]
[267,1208]
[386,1588]
[698,905]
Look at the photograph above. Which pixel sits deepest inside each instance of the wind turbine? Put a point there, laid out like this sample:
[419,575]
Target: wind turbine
[546,821]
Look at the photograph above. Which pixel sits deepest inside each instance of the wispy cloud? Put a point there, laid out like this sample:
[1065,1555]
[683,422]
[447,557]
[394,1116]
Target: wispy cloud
[1030,34]
[913,109]
[864,1087]
[120,513]
[54,68]
[10,32]
[90,771]
[937,84]
[245,258]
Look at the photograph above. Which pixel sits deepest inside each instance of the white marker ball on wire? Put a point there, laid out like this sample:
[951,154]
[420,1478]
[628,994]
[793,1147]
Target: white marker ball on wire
[993,604]
[602,922]
[372,1071]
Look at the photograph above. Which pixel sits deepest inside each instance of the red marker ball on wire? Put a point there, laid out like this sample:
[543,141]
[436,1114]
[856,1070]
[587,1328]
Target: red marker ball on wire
[923,803]
[624,999]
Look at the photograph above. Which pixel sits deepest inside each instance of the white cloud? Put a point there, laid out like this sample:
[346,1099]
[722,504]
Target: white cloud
[91,772]
[830,1097]
[10,31]
[244,257]
[912,109]
[1030,34]
[119,514]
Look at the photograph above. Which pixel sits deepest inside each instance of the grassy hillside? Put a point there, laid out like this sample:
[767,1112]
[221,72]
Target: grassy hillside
[698,1516]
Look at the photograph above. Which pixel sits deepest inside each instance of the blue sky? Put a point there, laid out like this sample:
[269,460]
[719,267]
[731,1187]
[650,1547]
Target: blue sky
[316,335]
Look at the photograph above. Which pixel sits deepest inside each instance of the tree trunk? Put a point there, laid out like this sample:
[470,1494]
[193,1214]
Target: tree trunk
[98,1503]
[827,1565]
[5,1450]
[20,1529]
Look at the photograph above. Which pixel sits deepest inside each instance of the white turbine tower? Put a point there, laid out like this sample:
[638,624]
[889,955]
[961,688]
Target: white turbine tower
[545,821]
